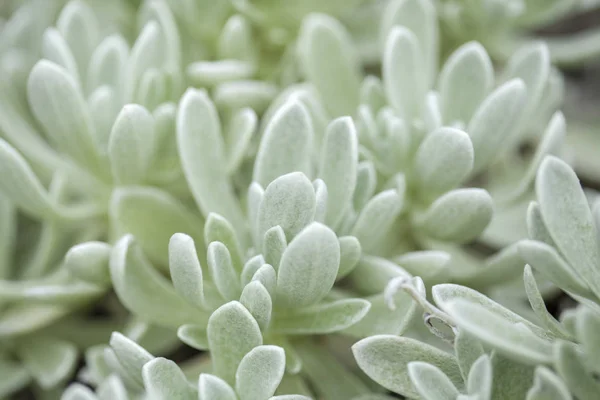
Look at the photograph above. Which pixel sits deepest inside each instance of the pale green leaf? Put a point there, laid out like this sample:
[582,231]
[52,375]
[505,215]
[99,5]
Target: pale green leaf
[163,379]
[495,120]
[338,167]
[239,135]
[153,216]
[89,262]
[468,350]
[308,267]
[57,103]
[536,227]
[568,218]
[202,153]
[256,298]
[218,229]
[329,62]
[145,292]
[211,387]
[376,219]
[404,77]
[250,268]
[260,372]
[465,80]
[107,64]
[548,386]
[286,144]
[420,17]
[515,340]
[131,356]
[350,252]
[186,272]
[570,364]
[366,181]
[55,49]
[552,266]
[443,161]
[50,361]
[539,306]
[211,73]
[321,197]
[222,271]
[20,184]
[194,336]
[426,264]
[385,358]
[79,26]
[480,378]
[321,318]
[274,244]
[268,277]
[232,333]
[131,145]
[431,382]
[459,216]
[511,380]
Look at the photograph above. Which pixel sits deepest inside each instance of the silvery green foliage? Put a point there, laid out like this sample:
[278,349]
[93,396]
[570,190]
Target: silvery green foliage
[549,358]
[256,369]
[504,25]
[434,133]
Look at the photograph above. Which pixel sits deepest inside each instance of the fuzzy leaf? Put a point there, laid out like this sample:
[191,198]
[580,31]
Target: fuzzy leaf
[539,306]
[258,301]
[376,218]
[366,181]
[480,378]
[547,386]
[211,387]
[153,216]
[163,379]
[260,372]
[289,201]
[130,355]
[274,244]
[338,167]
[241,130]
[107,64]
[268,277]
[321,196]
[329,63]
[511,380]
[308,267]
[20,184]
[458,216]
[222,271]
[350,252]
[194,336]
[431,382]
[569,220]
[385,358]
[552,266]
[536,227]
[131,144]
[495,121]
[186,272]
[202,153]
[144,291]
[514,340]
[570,365]
[286,144]
[232,333]
[58,104]
[444,159]
[419,16]
[218,229]
[465,80]
[404,78]
[321,318]
[468,350]
[50,361]
[250,268]
[89,262]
